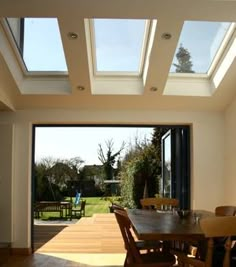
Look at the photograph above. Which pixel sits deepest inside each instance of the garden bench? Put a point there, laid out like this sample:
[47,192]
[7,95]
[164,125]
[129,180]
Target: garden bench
[50,206]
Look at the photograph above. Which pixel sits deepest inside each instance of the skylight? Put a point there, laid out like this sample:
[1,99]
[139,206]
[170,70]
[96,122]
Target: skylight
[198,45]
[119,45]
[117,56]
[39,42]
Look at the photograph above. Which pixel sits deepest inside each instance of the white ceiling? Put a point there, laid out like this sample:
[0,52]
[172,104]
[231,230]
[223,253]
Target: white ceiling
[170,16]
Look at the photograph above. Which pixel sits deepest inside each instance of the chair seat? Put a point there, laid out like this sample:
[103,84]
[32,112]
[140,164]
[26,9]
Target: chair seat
[148,244]
[162,257]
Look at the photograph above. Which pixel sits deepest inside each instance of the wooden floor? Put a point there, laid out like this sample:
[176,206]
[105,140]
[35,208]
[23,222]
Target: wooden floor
[94,241]
[97,234]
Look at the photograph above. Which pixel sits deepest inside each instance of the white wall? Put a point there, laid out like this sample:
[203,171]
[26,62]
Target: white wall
[207,153]
[230,155]
[6,145]
[22,185]
[208,162]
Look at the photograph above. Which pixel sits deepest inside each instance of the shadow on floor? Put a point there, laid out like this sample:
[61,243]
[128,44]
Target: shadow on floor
[44,233]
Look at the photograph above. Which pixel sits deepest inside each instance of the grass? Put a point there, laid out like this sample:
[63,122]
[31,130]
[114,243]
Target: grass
[93,205]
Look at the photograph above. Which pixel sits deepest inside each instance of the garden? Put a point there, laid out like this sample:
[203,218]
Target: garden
[123,181]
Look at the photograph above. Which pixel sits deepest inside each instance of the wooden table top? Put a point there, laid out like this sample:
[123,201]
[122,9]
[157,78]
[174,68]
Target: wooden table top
[151,225]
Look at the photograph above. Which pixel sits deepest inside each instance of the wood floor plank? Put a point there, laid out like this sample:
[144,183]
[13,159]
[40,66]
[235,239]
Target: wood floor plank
[97,234]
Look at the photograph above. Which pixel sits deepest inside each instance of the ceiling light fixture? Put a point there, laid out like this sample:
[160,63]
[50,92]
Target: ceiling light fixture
[80,88]
[153,89]
[72,35]
[166,36]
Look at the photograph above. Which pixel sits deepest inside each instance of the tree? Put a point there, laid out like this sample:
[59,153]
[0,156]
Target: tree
[45,189]
[109,160]
[184,64]
[91,180]
[141,169]
[53,177]
[138,171]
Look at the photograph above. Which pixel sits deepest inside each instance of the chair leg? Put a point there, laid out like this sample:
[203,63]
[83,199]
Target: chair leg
[125,262]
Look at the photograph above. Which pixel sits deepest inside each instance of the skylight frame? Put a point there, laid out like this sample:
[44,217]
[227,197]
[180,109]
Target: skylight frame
[33,83]
[11,38]
[215,61]
[223,46]
[107,74]
[20,59]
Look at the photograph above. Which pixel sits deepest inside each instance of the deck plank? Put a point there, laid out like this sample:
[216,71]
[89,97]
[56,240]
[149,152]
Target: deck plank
[97,234]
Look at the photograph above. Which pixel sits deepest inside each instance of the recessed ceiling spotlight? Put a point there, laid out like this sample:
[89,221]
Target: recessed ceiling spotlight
[166,36]
[72,35]
[153,89]
[80,88]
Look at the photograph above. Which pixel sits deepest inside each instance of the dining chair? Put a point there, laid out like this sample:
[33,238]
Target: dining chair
[134,258]
[220,211]
[159,203]
[225,210]
[116,206]
[214,227]
[80,211]
[147,245]
[163,204]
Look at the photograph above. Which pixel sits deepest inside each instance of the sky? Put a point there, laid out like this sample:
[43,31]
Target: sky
[70,142]
[202,39]
[118,44]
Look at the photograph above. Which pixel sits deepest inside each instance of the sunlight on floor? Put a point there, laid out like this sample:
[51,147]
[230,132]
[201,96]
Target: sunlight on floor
[92,259]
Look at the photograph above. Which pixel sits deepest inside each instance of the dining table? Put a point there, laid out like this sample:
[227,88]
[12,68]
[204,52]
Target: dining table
[168,226]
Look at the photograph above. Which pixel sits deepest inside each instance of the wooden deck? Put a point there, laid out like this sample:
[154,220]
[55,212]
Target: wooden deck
[97,234]
[92,242]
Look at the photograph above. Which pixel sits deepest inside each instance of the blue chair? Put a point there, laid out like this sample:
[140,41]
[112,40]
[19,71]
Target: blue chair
[77,198]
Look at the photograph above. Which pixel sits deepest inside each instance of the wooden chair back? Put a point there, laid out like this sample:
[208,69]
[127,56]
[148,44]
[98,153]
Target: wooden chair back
[116,206]
[223,227]
[159,203]
[80,211]
[214,227]
[133,254]
[225,211]
[82,207]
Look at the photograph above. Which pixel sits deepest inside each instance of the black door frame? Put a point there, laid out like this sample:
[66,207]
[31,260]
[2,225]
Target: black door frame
[179,164]
[182,192]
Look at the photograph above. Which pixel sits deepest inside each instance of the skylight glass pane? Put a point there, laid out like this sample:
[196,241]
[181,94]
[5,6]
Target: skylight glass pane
[198,45]
[40,44]
[118,44]
[43,49]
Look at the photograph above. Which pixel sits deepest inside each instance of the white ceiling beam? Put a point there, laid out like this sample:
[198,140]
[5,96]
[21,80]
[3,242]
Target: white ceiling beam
[119,86]
[75,52]
[162,54]
[219,10]
[188,86]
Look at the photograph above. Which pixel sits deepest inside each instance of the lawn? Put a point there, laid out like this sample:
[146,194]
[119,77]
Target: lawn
[96,205]
[93,205]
